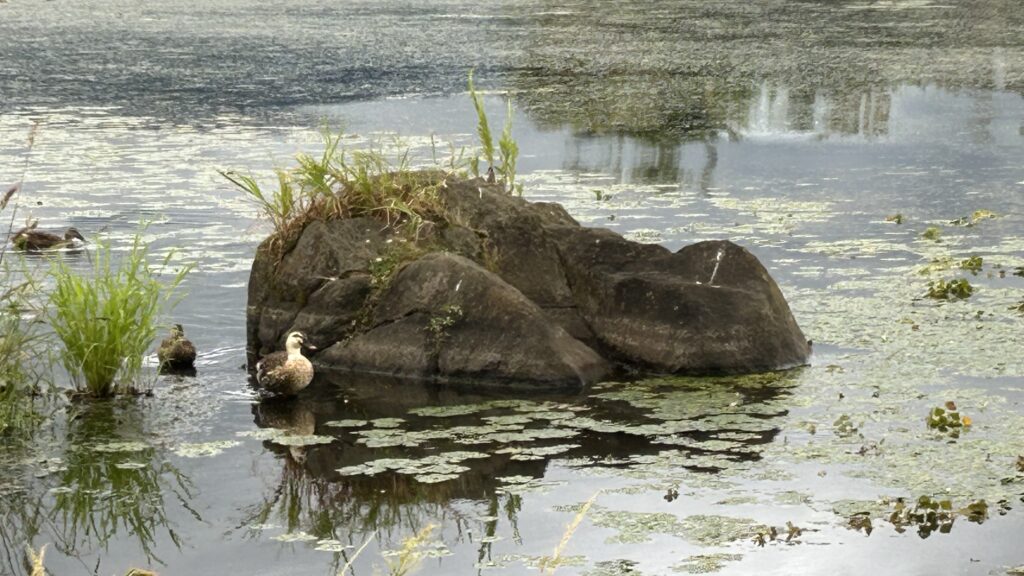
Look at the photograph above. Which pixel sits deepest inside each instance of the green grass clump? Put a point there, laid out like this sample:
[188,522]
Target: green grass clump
[932,233]
[342,183]
[108,319]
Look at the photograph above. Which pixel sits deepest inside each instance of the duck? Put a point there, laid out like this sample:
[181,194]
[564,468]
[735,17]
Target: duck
[176,352]
[288,371]
[28,238]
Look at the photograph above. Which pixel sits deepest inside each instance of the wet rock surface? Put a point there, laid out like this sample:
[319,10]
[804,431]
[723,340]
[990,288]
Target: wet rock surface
[508,292]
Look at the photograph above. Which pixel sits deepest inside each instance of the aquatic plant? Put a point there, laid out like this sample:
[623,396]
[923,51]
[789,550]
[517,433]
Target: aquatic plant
[959,288]
[928,514]
[972,264]
[895,219]
[932,233]
[948,420]
[976,217]
[107,319]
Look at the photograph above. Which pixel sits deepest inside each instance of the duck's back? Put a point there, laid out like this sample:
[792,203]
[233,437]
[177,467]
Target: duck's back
[278,373]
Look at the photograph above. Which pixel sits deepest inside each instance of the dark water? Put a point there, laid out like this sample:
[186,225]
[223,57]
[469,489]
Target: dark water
[794,128]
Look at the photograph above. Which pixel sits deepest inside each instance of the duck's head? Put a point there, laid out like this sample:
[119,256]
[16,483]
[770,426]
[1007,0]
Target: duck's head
[177,331]
[73,233]
[296,342]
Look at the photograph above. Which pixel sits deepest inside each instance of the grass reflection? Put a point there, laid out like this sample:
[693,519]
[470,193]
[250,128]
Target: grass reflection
[106,486]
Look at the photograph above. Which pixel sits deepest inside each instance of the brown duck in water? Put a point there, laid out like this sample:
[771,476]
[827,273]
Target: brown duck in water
[29,238]
[176,352]
[288,371]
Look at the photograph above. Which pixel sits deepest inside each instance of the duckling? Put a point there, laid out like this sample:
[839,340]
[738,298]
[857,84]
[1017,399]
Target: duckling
[288,371]
[29,238]
[176,352]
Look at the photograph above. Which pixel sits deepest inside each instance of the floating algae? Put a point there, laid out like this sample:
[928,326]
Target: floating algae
[203,449]
[346,423]
[284,438]
[429,469]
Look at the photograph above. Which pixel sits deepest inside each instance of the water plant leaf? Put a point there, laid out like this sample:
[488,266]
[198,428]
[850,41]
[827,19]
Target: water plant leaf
[204,449]
[346,423]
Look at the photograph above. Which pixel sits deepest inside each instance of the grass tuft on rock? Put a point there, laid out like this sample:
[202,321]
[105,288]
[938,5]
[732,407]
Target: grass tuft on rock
[108,318]
[342,183]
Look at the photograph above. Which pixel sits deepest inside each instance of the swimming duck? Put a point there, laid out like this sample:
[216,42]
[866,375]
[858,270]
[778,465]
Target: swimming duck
[176,352]
[29,238]
[288,371]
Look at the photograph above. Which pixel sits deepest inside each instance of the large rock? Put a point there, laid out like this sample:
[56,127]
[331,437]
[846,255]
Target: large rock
[503,291]
[709,308]
[445,316]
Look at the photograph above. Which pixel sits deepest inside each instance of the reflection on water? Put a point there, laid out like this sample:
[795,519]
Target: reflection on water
[358,461]
[100,488]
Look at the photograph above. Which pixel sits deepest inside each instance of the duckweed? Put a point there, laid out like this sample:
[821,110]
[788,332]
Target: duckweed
[346,423]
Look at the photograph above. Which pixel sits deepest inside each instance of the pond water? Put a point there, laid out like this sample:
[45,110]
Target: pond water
[798,129]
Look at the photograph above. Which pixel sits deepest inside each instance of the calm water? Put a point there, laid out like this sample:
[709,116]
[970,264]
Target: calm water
[793,128]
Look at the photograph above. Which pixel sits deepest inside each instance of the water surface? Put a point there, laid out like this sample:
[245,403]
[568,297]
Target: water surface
[795,129]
